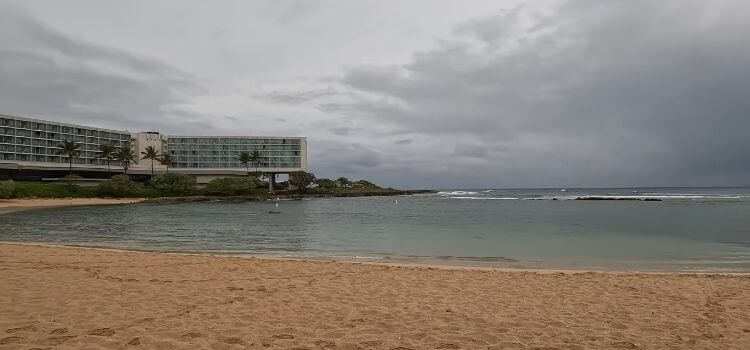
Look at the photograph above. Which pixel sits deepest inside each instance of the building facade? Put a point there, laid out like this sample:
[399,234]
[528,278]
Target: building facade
[278,154]
[29,146]
[141,141]
[32,143]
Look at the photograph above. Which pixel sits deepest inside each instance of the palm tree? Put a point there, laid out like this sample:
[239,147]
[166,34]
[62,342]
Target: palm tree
[255,158]
[246,159]
[108,152]
[70,149]
[127,156]
[166,159]
[151,153]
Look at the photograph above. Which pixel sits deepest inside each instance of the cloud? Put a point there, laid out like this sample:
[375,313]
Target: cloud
[298,97]
[46,74]
[333,156]
[471,151]
[564,93]
[591,94]
[343,130]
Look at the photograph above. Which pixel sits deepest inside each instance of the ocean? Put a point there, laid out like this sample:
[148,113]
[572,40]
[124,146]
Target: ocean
[677,229]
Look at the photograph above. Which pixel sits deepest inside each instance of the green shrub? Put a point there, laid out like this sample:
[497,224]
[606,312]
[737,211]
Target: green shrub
[174,184]
[147,192]
[230,186]
[365,185]
[6,189]
[117,186]
[42,190]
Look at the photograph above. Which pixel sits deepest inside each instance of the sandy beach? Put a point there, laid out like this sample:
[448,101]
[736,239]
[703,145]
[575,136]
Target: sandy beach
[80,298]
[22,204]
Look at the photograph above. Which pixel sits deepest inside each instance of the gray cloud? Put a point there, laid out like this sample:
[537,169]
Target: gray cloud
[298,97]
[343,130]
[587,93]
[331,157]
[44,73]
[596,94]
[472,151]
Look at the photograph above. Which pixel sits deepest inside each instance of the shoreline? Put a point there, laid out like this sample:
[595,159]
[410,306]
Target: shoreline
[74,298]
[12,205]
[400,264]
[16,204]
[285,196]
[32,203]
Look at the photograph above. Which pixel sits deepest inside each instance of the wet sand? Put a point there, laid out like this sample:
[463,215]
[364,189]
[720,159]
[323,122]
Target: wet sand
[7,205]
[75,298]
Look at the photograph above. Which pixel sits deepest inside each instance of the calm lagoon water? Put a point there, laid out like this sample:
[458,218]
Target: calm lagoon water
[689,230]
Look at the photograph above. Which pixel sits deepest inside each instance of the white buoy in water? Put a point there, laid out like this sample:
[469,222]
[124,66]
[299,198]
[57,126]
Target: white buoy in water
[397,201]
[275,211]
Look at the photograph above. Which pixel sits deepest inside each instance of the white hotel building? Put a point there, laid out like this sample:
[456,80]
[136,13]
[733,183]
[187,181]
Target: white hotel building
[28,149]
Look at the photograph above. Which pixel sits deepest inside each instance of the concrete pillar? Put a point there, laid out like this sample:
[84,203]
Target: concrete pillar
[271,182]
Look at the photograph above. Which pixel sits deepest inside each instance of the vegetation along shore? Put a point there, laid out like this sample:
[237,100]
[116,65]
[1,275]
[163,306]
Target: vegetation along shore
[174,187]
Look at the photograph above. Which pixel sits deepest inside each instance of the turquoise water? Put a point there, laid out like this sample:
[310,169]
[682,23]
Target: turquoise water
[689,230]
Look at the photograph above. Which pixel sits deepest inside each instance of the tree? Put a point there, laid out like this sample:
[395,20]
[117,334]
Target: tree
[166,159]
[174,184]
[108,152]
[364,184]
[255,158]
[245,158]
[127,156]
[151,153]
[343,182]
[326,183]
[117,186]
[301,179]
[229,186]
[70,149]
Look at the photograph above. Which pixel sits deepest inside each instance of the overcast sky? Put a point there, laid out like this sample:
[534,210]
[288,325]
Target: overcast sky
[416,94]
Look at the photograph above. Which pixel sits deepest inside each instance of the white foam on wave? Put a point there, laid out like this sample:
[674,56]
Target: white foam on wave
[664,196]
[457,193]
[485,198]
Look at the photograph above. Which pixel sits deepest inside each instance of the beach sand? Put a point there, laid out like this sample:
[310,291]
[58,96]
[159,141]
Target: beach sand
[20,204]
[79,298]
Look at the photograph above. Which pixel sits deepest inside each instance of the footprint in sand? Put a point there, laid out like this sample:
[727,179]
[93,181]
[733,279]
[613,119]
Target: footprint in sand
[57,340]
[192,335]
[447,346]
[10,340]
[22,329]
[371,343]
[325,344]
[59,331]
[103,332]
[233,340]
[283,336]
[135,341]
